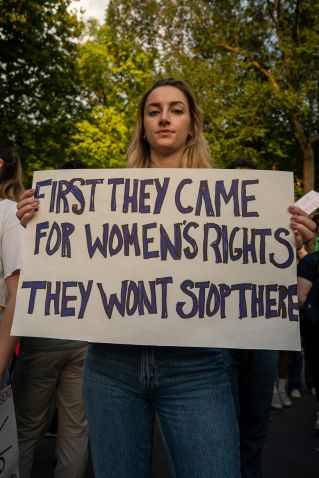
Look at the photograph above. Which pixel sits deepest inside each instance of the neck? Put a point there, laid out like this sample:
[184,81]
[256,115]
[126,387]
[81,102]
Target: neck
[172,160]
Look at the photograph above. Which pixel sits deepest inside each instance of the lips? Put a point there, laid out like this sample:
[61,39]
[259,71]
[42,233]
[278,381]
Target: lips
[164,131]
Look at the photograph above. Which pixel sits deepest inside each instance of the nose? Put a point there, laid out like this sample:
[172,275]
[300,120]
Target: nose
[164,118]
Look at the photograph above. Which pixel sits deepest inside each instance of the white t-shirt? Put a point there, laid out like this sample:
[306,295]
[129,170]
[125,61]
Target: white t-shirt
[11,244]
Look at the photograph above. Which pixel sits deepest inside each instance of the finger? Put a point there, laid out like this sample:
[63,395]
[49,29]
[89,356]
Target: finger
[296,210]
[304,232]
[304,221]
[302,217]
[27,194]
[26,212]
[27,217]
[32,202]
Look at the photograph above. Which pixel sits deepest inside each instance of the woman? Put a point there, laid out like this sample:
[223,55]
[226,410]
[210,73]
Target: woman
[11,243]
[308,298]
[50,372]
[187,388]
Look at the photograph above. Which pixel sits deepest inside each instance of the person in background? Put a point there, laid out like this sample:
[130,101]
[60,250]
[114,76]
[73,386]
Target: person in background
[186,387]
[280,397]
[316,220]
[11,246]
[49,372]
[308,284]
[241,163]
[296,358]
[294,373]
[297,364]
[252,375]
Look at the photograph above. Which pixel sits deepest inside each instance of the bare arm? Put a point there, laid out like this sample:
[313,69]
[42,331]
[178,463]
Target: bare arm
[301,253]
[7,343]
[303,288]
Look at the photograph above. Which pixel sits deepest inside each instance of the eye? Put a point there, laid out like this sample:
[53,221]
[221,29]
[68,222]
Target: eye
[153,112]
[178,111]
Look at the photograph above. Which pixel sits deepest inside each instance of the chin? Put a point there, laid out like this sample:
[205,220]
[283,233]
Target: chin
[166,150]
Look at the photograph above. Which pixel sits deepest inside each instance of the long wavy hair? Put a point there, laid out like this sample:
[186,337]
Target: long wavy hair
[196,153]
[11,186]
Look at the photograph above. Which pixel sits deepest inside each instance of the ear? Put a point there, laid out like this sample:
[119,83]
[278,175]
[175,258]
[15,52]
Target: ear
[1,163]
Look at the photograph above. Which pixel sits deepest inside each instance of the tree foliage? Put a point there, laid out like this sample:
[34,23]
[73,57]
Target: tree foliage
[100,140]
[274,49]
[115,73]
[39,82]
[254,66]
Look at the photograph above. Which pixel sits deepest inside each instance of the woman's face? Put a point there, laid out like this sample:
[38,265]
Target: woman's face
[167,121]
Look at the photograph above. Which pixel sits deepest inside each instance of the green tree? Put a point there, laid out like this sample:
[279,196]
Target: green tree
[273,47]
[254,66]
[136,20]
[101,139]
[39,88]
[114,73]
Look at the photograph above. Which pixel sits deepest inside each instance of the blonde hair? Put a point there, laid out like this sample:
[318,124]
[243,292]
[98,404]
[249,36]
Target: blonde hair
[11,186]
[196,153]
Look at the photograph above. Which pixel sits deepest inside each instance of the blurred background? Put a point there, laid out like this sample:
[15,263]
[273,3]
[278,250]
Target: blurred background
[72,73]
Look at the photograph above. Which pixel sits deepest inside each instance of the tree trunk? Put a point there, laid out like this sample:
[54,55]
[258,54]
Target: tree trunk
[308,167]
[309,179]
[305,144]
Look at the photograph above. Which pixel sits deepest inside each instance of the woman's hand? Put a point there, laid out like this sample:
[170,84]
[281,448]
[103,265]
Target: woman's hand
[27,207]
[303,227]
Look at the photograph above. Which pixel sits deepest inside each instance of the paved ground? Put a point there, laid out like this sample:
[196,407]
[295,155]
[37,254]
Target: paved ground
[292,447]
[291,451]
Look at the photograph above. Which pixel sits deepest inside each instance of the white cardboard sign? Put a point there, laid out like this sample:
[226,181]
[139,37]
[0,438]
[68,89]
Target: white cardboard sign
[9,455]
[161,257]
[309,202]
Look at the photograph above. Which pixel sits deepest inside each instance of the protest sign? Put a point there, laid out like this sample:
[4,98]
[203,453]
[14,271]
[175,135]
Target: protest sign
[9,455]
[161,257]
[309,202]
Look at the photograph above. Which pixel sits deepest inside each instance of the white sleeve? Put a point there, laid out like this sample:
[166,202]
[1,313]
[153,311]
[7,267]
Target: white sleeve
[12,243]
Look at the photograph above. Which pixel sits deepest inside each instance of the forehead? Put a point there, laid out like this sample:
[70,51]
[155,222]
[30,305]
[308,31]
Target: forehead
[166,94]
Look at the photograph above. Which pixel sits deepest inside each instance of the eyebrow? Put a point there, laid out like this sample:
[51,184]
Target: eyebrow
[172,103]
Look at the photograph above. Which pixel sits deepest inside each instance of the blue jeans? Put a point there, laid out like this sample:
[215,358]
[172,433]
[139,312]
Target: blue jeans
[252,375]
[187,389]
